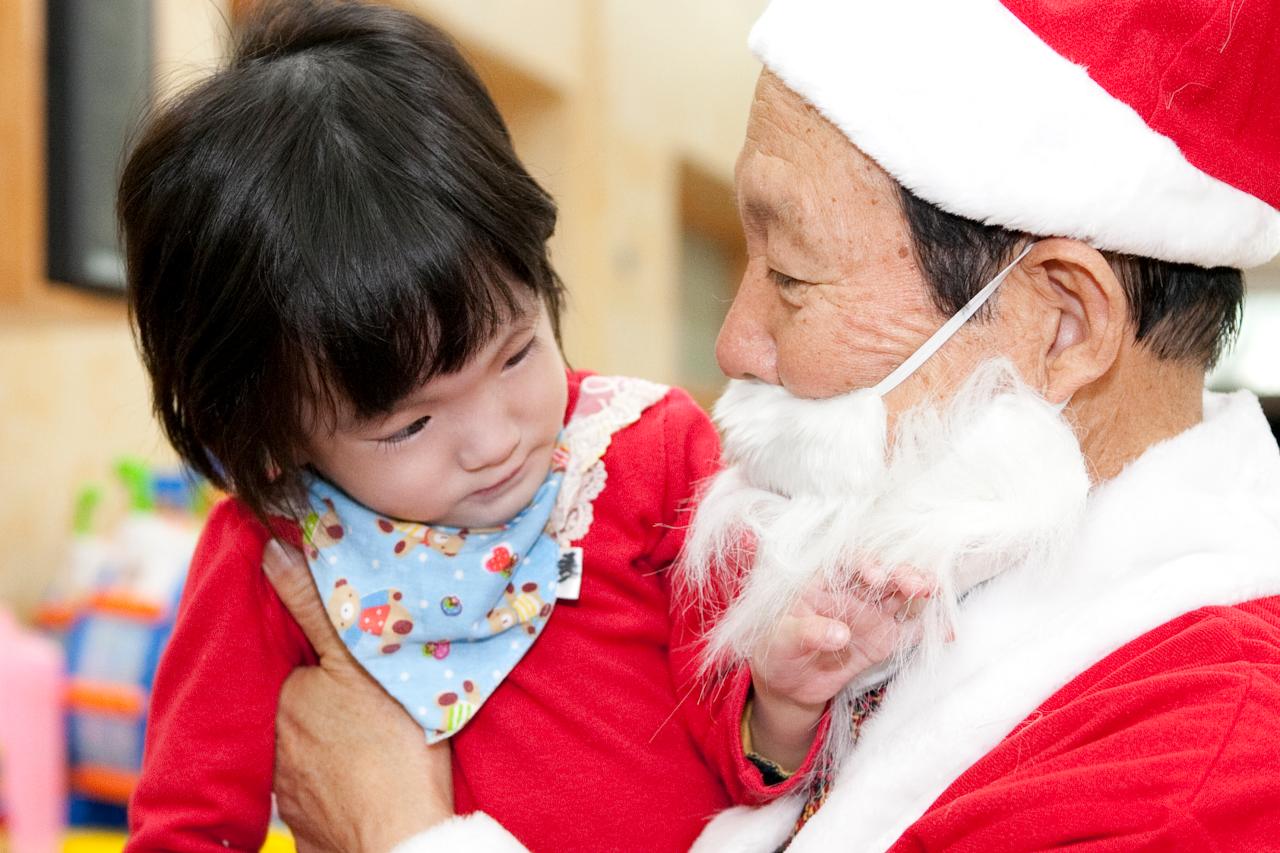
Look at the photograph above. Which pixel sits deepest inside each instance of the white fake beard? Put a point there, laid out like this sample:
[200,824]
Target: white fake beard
[811,496]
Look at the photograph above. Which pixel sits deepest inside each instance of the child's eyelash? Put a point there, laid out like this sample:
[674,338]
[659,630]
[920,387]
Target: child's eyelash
[405,434]
[416,427]
[523,354]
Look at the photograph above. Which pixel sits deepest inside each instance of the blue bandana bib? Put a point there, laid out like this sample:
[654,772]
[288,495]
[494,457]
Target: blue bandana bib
[440,615]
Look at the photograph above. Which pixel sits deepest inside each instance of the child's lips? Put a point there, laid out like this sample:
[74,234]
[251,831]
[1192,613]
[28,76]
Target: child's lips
[498,487]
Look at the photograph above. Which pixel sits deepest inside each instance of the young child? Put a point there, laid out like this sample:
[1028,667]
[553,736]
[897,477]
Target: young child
[339,278]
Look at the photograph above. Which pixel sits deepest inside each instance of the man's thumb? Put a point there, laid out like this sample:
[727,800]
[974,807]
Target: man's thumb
[287,570]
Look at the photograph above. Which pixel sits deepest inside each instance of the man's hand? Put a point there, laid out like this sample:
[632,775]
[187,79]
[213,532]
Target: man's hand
[353,770]
[823,644]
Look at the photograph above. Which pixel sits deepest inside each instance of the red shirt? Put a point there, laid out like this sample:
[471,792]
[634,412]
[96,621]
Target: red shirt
[599,729]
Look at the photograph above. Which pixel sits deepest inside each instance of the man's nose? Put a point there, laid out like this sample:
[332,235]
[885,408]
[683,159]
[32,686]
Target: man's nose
[745,348]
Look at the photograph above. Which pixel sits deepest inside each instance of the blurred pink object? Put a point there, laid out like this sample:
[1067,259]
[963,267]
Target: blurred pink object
[32,738]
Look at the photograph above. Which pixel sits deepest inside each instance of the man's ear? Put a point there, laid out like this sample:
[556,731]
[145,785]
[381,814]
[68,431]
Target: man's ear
[1085,314]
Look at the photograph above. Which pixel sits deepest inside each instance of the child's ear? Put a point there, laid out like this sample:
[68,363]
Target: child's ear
[275,470]
[300,457]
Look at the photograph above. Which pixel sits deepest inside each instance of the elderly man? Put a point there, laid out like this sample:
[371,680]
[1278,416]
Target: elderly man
[994,247]
[1117,676]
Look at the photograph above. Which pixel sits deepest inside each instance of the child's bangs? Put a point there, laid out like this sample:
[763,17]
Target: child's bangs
[373,339]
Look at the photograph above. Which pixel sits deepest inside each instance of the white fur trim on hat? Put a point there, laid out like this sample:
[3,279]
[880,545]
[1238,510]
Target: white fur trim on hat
[970,110]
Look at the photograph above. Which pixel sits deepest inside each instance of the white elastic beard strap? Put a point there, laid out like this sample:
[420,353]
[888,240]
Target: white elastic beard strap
[949,328]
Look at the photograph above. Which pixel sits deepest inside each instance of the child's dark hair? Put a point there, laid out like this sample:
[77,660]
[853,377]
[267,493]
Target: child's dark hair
[338,214]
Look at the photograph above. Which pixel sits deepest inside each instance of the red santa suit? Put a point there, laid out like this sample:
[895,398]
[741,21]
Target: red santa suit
[1131,698]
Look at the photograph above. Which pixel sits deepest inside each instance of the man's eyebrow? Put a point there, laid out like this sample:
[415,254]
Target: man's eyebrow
[786,214]
[754,208]
[783,214]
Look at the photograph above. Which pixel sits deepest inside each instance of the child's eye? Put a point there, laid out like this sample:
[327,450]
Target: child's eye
[522,355]
[406,433]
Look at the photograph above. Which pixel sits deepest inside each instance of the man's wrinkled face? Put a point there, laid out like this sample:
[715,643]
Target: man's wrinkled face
[831,300]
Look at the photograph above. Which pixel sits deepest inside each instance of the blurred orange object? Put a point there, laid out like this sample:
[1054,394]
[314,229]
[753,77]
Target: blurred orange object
[104,784]
[126,700]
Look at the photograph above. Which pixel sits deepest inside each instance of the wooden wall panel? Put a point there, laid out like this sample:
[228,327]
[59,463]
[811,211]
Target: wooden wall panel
[21,149]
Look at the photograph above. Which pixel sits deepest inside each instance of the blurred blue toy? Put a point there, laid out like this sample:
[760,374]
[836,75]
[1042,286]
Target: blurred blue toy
[116,605]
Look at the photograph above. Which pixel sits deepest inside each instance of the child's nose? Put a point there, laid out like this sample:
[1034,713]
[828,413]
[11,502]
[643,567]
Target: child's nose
[491,446]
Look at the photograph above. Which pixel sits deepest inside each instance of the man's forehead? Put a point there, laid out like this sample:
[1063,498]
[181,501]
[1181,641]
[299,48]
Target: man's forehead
[789,148]
[780,119]
[772,189]
[773,94]
[783,124]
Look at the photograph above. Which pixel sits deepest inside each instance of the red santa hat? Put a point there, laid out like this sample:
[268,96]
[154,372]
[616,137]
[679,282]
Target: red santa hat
[1150,127]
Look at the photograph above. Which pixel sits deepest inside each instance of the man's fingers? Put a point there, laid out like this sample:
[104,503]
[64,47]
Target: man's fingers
[287,570]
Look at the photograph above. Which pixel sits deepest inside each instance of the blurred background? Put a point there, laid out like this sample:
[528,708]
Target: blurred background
[630,113]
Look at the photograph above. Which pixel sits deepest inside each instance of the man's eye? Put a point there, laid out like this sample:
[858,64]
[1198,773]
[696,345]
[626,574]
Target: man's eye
[406,433]
[784,281]
[522,355]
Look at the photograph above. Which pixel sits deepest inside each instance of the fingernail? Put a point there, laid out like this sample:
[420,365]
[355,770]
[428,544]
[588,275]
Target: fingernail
[273,556]
[915,606]
[837,635]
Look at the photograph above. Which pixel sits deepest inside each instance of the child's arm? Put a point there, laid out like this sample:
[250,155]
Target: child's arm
[713,709]
[207,767]
[822,645]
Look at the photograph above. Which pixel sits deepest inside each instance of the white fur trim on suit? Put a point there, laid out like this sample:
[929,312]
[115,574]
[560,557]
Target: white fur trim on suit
[970,110]
[1194,522]
[475,833]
